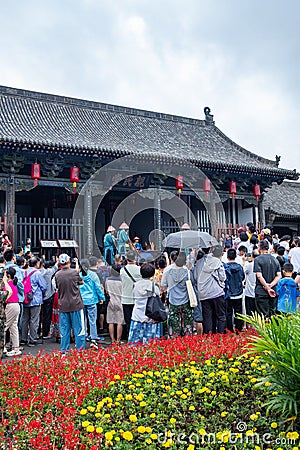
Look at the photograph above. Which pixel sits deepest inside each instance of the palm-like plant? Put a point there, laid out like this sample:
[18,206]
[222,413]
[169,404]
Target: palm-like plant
[278,343]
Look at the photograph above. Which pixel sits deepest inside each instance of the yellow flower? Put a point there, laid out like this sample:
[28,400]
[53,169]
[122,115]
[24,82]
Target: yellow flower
[141,429]
[267,383]
[107,416]
[143,404]
[202,432]
[153,436]
[133,418]
[148,441]
[172,420]
[213,393]
[292,435]
[99,430]
[83,411]
[241,392]
[109,436]
[254,417]
[128,397]
[148,429]
[168,443]
[127,435]
[98,415]
[192,408]
[117,377]
[191,447]
[222,448]
[249,433]
[85,424]
[117,438]
[274,425]
[253,380]
[183,396]
[91,408]
[90,429]
[152,415]
[224,414]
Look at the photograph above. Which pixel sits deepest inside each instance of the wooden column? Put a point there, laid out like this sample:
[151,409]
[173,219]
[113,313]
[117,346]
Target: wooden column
[10,208]
[89,220]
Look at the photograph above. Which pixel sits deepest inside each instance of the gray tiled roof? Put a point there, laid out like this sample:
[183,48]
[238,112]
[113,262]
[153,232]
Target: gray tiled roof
[283,199]
[32,117]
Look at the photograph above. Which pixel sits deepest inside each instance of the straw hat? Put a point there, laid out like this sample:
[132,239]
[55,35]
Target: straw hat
[185,226]
[110,228]
[124,226]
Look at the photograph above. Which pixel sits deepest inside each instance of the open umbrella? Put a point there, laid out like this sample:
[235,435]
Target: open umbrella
[190,239]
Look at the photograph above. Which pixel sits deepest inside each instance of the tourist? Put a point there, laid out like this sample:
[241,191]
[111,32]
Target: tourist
[294,255]
[91,294]
[235,276]
[142,328]
[137,244]
[27,246]
[31,313]
[115,315]
[11,261]
[268,273]
[48,271]
[130,274]
[71,315]
[198,315]
[5,293]
[181,315]
[250,282]
[211,290]
[284,241]
[12,312]
[286,290]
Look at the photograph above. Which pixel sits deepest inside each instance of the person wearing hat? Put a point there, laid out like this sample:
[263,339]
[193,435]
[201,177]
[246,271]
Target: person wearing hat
[70,304]
[123,239]
[137,244]
[109,244]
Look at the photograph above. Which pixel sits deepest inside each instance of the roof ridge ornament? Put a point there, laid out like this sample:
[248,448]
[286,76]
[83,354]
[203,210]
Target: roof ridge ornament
[209,118]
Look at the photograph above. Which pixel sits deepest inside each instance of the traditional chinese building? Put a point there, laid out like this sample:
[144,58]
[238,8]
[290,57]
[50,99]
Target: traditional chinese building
[43,136]
[282,208]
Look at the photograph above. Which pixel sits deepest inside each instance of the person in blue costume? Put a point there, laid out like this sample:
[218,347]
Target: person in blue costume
[109,244]
[123,239]
[137,244]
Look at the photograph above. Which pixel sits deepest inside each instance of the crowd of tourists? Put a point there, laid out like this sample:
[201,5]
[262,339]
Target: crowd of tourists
[66,299]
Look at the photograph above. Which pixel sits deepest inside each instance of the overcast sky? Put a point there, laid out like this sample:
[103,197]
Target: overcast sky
[239,57]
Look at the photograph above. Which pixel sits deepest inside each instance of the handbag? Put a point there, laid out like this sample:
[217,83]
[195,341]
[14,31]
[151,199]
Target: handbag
[155,309]
[191,292]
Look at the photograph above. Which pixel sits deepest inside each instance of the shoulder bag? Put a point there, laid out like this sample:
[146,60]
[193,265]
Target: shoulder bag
[191,292]
[155,308]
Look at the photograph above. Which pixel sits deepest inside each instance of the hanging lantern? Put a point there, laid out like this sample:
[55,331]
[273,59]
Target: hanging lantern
[232,188]
[74,176]
[35,173]
[206,186]
[179,184]
[256,191]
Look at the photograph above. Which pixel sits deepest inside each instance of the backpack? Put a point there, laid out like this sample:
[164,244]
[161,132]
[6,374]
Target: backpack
[28,294]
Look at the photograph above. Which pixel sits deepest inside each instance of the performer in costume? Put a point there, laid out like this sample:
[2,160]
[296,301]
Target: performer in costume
[123,239]
[109,244]
[137,244]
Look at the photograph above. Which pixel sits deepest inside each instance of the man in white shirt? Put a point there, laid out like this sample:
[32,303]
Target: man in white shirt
[294,255]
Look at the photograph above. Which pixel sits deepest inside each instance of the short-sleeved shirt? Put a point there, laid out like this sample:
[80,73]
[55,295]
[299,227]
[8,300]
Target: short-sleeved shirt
[67,282]
[268,266]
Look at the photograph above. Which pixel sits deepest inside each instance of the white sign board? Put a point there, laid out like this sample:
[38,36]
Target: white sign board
[67,243]
[49,244]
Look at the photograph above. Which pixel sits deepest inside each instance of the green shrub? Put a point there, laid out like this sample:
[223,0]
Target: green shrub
[278,343]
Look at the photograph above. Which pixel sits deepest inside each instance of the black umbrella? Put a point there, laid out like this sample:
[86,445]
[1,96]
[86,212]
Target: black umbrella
[190,239]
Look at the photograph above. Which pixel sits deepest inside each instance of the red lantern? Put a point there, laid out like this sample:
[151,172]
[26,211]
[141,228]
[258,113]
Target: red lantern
[179,184]
[206,186]
[74,176]
[256,191]
[232,188]
[35,173]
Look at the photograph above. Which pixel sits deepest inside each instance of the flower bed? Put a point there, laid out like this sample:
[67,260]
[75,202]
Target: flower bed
[140,397]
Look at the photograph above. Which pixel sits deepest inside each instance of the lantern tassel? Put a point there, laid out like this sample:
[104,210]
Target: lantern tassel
[36,182]
[74,186]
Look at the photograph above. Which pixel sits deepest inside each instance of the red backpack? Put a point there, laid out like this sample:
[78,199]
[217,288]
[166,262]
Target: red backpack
[28,294]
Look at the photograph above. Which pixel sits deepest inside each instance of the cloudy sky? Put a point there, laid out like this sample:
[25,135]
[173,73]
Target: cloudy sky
[239,57]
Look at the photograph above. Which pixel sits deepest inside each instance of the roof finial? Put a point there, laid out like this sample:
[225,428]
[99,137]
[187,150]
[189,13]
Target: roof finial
[278,158]
[209,118]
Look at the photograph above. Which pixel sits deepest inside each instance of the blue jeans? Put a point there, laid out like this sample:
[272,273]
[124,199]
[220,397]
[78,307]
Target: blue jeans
[91,312]
[67,321]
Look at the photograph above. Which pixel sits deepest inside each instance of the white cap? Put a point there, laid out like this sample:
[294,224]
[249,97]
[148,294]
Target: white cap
[64,258]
